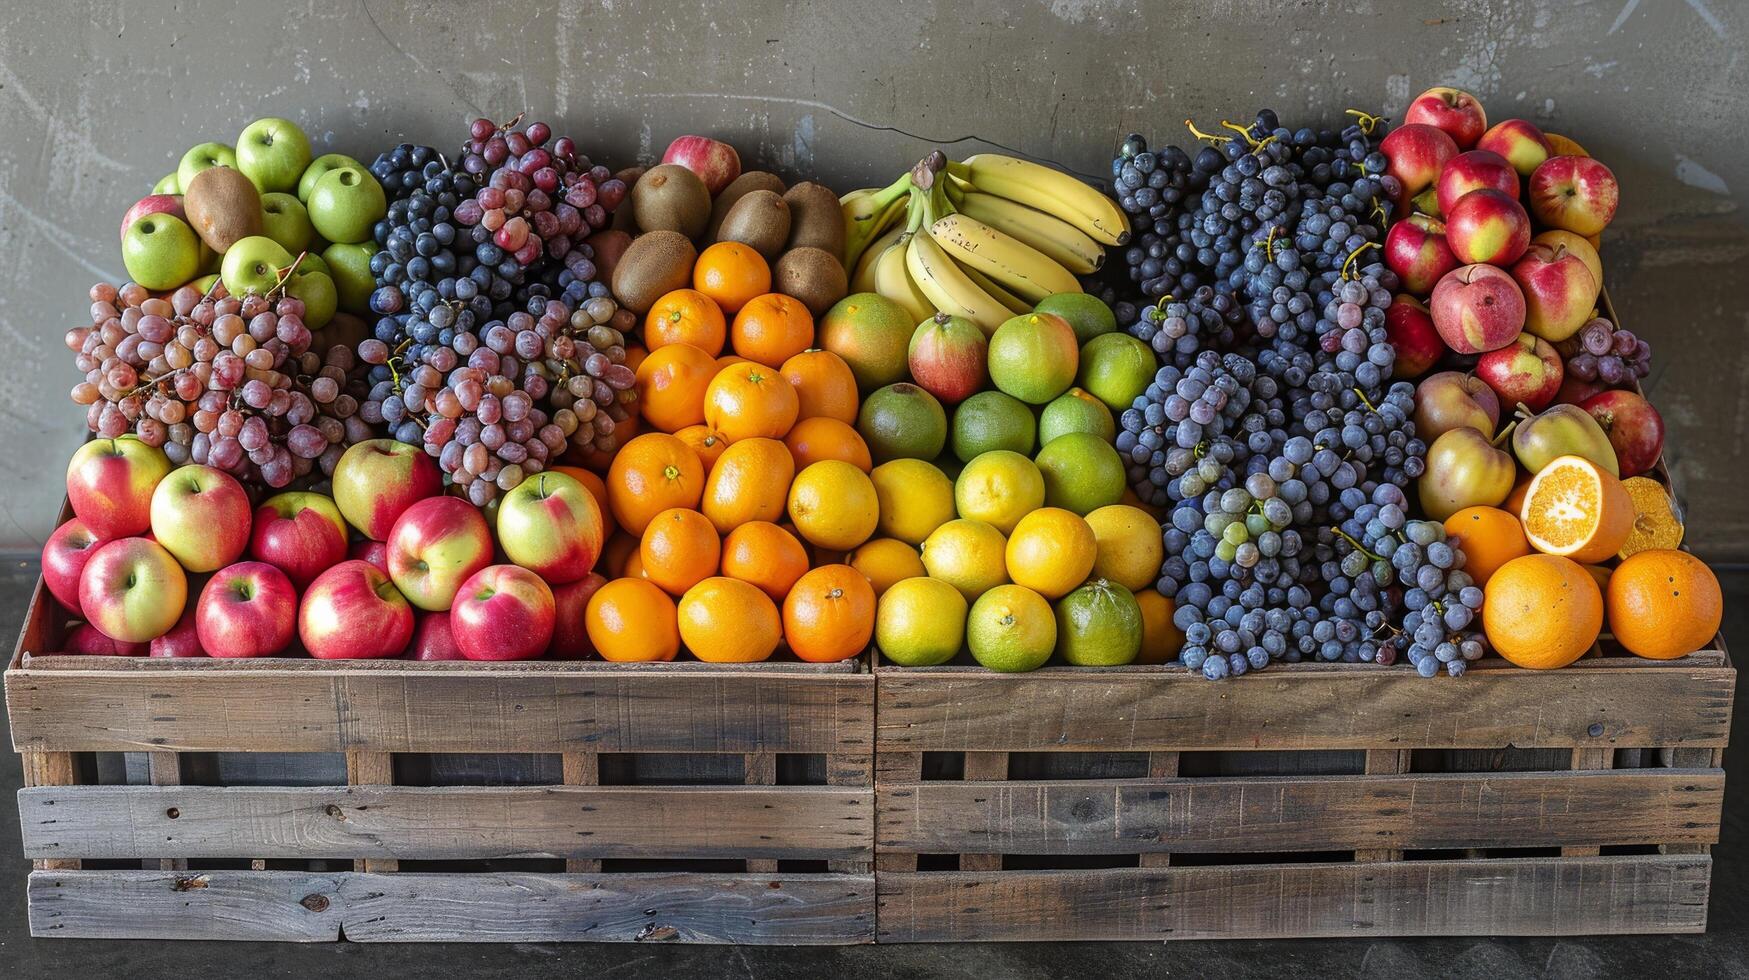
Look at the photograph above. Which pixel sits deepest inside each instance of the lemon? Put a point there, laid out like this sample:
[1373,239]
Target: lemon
[967,555]
[884,561]
[1000,487]
[1130,549]
[915,499]
[1011,629]
[1051,551]
[833,504]
[920,622]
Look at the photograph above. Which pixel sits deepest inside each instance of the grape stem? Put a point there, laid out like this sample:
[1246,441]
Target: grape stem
[1348,263]
[1366,120]
[286,274]
[1357,545]
[1199,134]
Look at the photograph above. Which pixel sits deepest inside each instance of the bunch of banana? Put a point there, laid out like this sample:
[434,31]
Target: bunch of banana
[985,238]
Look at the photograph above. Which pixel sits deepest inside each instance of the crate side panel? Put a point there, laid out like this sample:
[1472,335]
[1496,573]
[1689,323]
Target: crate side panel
[276,906]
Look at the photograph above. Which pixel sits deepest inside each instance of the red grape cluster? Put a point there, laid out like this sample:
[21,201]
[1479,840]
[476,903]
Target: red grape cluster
[534,200]
[1603,352]
[217,379]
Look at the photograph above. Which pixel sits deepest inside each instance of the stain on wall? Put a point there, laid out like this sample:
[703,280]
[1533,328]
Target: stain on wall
[98,100]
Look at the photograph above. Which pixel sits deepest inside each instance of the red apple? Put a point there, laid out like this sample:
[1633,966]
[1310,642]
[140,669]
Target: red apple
[375,552]
[300,533]
[1454,400]
[504,612]
[551,524]
[1409,328]
[1477,308]
[947,356]
[1474,170]
[1527,371]
[1453,110]
[1487,226]
[1416,250]
[1575,391]
[1634,427]
[247,610]
[432,639]
[201,515]
[715,162]
[1560,293]
[110,484]
[90,641]
[353,612]
[64,556]
[434,547]
[1520,142]
[183,640]
[1417,153]
[152,204]
[1464,469]
[378,479]
[133,590]
[570,635]
[1577,194]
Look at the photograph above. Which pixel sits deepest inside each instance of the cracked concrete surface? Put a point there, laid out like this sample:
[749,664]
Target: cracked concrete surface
[98,100]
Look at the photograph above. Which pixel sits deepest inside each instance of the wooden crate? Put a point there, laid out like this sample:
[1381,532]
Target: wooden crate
[392,801]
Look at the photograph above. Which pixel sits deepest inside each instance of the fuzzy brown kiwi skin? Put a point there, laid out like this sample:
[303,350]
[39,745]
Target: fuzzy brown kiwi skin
[815,219]
[656,262]
[812,275]
[669,197]
[222,206]
[747,183]
[760,221]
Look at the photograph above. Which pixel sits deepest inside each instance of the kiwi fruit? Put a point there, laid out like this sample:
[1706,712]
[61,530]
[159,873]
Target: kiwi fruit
[747,183]
[815,219]
[670,197]
[812,275]
[222,206]
[607,247]
[759,220]
[656,262]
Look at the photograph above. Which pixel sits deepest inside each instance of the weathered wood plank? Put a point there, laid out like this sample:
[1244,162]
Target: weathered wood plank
[848,770]
[433,823]
[1533,896]
[165,769]
[982,766]
[1688,758]
[1161,765]
[976,710]
[489,907]
[758,769]
[56,769]
[371,769]
[1589,759]
[1325,813]
[377,710]
[896,768]
[1383,762]
[581,769]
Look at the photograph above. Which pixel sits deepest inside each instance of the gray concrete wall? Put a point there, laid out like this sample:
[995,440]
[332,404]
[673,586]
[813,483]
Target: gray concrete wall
[97,101]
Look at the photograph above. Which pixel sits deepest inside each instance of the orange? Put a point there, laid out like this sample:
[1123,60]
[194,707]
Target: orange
[885,561]
[619,550]
[829,615]
[817,438]
[1489,537]
[649,475]
[1657,522]
[824,385]
[1576,509]
[772,328]
[749,401]
[671,385]
[629,619]
[680,549]
[1664,604]
[731,274]
[1542,611]
[750,482]
[728,359]
[634,566]
[707,442]
[833,505]
[635,354]
[728,621]
[1161,637]
[686,316]
[593,483]
[766,555]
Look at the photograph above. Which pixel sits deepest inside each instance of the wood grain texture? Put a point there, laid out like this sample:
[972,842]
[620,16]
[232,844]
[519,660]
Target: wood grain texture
[486,907]
[757,769]
[441,823]
[1384,762]
[50,769]
[164,769]
[581,769]
[1536,896]
[371,769]
[1327,813]
[853,770]
[955,709]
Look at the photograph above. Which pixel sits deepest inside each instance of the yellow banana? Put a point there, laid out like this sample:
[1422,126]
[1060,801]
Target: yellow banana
[1063,242]
[1015,304]
[862,278]
[1047,190]
[1020,268]
[868,212]
[947,286]
[892,279]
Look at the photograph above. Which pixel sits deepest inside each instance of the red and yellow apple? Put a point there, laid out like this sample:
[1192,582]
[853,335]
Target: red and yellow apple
[434,547]
[110,484]
[1474,170]
[90,641]
[947,357]
[1477,308]
[1417,153]
[715,162]
[1634,427]
[1520,142]
[1416,250]
[432,639]
[377,479]
[1454,400]
[1578,245]
[375,552]
[133,590]
[64,556]
[1577,194]
[353,612]
[1527,371]
[1464,469]
[1409,328]
[183,640]
[551,525]
[201,515]
[1453,110]
[503,612]
[570,603]
[249,609]
[1487,226]
[1560,293]
[300,533]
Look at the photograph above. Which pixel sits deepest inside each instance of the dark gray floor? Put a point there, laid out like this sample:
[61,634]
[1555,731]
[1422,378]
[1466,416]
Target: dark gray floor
[1718,953]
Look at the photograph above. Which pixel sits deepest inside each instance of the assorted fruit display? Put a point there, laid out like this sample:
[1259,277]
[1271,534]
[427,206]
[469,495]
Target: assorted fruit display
[1347,396]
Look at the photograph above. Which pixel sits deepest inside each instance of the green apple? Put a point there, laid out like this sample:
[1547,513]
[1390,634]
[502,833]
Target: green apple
[318,292]
[320,166]
[252,265]
[273,153]
[205,283]
[313,261]
[201,157]
[160,251]
[346,203]
[167,184]
[349,267]
[210,261]
[284,220]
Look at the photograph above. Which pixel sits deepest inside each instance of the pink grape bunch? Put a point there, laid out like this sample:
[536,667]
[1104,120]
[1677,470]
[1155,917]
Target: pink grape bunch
[1605,353]
[535,200]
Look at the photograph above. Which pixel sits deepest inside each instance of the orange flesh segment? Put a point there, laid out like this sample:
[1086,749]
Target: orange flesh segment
[1561,509]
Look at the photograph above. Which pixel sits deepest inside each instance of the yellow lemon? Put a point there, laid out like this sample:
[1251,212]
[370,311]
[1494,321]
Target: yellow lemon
[833,504]
[967,555]
[1130,549]
[915,499]
[920,622]
[999,487]
[1051,551]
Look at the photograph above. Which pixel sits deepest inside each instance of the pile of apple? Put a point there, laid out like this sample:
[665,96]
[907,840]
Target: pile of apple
[176,562]
[248,214]
[1497,250]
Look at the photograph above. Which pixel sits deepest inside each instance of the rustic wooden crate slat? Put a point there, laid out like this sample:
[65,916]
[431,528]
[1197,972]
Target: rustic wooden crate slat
[581,769]
[485,907]
[371,769]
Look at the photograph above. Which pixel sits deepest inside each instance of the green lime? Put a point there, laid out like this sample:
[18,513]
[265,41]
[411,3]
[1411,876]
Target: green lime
[920,622]
[871,333]
[902,421]
[1076,411]
[1099,625]
[1087,314]
[991,420]
[1034,356]
[1116,368]
[1082,472]
[1011,629]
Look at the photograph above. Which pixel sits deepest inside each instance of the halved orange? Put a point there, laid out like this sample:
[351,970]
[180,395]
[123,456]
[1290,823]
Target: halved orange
[1656,521]
[1576,509]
